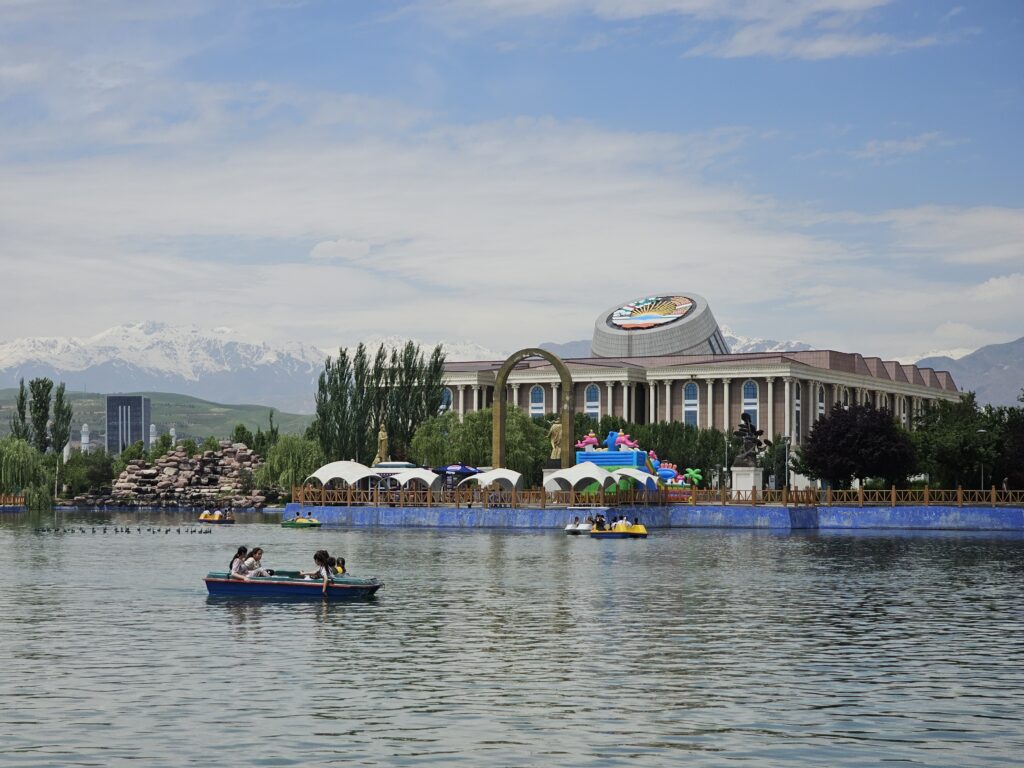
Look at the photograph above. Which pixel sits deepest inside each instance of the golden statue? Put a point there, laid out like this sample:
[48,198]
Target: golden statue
[555,436]
[382,447]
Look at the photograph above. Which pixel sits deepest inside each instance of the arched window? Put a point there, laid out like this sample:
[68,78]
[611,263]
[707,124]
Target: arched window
[883,403]
[821,401]
[750,402]
[446,400]
[796,413]
[537,400]
[691,401]
[592,401]
[846,397]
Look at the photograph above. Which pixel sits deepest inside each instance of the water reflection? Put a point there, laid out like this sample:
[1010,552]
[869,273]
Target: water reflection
[493,648]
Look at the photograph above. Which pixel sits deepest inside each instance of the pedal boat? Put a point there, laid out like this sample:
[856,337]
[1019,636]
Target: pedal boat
[288,584]
[623,532]
[578,529]
[301,522]
[215,518]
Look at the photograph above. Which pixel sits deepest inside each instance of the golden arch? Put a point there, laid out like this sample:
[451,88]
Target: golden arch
[565,411]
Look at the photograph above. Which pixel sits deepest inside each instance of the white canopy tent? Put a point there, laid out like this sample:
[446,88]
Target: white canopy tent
[644,479]
[349,472]
[405,477]
[581,475]
[506,479]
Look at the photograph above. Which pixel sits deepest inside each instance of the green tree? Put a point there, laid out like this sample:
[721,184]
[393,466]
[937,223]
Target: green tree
[355,396]
[189,446]
[210,444]
[20,429]
[860,442]
[39,412]
[91,471]
[289,462]
[954,439]
[161,447]
[21,465]
[241,434]
[473,439]
[434,443]
[264,441]
[133,452]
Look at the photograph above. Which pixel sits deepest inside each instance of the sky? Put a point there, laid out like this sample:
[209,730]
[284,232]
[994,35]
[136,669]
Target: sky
[842,172]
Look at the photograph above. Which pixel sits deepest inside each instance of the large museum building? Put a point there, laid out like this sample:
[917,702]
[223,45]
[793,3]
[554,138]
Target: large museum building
[663,358]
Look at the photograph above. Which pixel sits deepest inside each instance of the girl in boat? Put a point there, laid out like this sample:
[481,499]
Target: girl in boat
[323,571]
[254,565]
[235,570]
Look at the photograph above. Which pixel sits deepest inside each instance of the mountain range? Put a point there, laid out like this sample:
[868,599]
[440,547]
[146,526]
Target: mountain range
[213,365]
[218,365]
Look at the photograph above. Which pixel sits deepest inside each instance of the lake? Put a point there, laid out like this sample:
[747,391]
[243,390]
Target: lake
[498,648]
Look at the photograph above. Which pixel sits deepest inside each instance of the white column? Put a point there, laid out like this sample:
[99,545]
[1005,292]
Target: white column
[836,394]
[476,397]
[726,405]
[610,386]
[462,401]
[770,421]
[711,403]
[813,415]
[652,398]
[627,393]
[788,408]
[667,416]
[554,399]
[515,395]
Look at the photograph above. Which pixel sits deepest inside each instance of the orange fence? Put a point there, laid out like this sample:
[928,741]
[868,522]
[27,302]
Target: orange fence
[8,500]
[536,498]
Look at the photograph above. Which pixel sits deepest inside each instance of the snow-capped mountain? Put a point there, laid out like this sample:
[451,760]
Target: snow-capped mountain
[739,344]
[213,364]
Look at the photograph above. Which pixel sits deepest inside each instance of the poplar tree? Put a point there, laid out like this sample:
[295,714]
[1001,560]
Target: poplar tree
[60,428]
[20,429]
[39,412]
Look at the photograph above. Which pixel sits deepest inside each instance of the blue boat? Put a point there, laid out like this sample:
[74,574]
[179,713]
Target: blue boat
[288,584]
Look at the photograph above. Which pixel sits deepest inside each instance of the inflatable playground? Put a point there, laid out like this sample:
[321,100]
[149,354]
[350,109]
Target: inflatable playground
[619,451]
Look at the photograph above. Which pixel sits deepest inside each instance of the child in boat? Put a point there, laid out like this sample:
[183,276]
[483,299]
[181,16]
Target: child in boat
[323,571]
[254,565]
[235,569]
[338,565]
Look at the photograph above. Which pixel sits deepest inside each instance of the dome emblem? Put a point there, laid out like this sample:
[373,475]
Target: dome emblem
[651,312]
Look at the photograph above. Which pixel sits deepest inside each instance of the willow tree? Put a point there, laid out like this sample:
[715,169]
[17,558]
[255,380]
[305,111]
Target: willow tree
[21,465]
[289,462]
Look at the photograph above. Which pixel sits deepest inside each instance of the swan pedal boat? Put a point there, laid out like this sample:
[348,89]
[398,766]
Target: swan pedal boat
[289,584]
[301,522]
[623,532]
[216,519]
[578,529]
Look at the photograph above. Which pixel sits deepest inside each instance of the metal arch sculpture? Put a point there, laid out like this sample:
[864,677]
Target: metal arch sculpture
[566,411]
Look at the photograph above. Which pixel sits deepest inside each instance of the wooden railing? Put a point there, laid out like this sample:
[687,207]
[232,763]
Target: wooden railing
[10,500]
[536,498]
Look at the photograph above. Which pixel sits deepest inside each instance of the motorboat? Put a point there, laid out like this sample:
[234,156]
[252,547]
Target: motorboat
[289,584]
[301,522]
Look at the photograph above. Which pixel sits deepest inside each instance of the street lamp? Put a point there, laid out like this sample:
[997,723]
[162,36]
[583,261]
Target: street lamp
[982,461]
[726,467]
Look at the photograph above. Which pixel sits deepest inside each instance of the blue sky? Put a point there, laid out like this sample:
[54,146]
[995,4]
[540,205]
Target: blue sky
[846,172]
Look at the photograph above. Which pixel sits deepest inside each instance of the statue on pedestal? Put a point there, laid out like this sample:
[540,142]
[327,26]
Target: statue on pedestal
[382,446]
[752,442]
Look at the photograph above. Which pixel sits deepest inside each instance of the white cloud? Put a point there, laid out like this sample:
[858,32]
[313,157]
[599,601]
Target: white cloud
[882,149]
[341,249]
[984,235]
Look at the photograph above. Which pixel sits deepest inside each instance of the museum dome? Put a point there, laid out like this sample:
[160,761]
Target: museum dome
[663,324]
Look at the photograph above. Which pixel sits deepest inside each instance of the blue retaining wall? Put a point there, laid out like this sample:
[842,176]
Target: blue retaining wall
[683,516]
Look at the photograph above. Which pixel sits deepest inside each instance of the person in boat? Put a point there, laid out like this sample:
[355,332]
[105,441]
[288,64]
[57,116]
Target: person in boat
[337,565]
[235,569]
[576,522]
[323,570]
[254,564]
[636,521]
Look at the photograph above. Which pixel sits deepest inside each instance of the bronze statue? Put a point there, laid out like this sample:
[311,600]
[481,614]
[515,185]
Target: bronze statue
[752,442]
[555,436]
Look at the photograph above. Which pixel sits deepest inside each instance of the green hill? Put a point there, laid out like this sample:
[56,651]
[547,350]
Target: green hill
[190,416]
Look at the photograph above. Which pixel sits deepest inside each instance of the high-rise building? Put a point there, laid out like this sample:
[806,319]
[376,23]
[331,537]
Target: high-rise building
[127,419]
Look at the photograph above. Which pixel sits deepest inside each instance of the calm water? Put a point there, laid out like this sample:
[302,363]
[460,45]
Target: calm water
[498,648]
